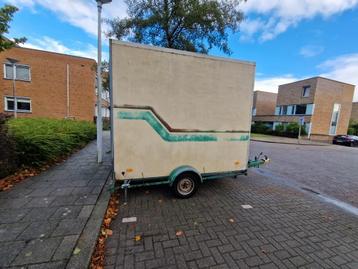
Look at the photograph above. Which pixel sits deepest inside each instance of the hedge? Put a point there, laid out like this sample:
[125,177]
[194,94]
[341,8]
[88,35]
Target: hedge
[289,130]
[8,157]
[353,128]
[39,140]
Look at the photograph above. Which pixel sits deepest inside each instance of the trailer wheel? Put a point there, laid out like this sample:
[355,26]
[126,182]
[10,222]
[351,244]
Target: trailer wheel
[185,185]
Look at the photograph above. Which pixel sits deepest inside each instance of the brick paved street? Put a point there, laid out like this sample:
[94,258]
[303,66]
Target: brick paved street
[286,228]
[332,170]
[42,218]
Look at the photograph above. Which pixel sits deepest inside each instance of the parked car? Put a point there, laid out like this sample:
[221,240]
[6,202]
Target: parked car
[346,140]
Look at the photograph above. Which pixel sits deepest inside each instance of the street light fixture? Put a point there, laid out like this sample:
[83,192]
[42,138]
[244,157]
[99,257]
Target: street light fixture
[13,63]
[99,83]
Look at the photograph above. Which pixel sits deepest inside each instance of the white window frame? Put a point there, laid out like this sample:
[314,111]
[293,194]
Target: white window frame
[18,98]
[304,88]
[278,110]
[23,65]
[338,116]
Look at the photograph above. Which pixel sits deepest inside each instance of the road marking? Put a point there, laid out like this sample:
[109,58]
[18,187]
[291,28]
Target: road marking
[130,219]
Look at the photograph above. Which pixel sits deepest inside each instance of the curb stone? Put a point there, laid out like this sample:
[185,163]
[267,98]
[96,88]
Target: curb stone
[88,238]
[288,143]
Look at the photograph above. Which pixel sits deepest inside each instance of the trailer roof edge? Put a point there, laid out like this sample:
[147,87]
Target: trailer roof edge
[180,52]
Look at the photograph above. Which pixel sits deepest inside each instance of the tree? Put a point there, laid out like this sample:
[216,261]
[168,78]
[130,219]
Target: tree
[6,14]
[192,25]
[105,75]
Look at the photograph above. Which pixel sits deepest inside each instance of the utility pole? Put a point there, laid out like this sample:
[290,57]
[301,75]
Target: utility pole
[99,83]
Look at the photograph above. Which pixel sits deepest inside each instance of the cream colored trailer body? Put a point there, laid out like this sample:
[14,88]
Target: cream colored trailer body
[173,108]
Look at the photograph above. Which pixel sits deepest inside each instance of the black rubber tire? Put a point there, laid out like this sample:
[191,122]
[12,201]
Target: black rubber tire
[188,176]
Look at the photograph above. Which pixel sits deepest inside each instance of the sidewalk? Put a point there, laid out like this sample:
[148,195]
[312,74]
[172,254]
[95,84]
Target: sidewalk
[44,218]
[285,140]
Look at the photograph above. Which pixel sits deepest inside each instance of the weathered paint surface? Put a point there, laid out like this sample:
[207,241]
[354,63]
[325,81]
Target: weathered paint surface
[189,109]
[169,137]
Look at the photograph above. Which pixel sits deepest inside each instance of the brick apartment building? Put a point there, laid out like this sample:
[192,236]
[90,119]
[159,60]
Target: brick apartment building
[48,84]
[354,114]
[264,103]
[324,104]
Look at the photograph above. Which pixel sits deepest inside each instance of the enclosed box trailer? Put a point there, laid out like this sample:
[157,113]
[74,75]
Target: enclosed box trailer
[179,118]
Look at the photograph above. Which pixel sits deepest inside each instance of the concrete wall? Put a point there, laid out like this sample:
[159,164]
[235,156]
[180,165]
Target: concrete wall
[264,103]
[174,108]
[47,88]
[354,114]
[328,93]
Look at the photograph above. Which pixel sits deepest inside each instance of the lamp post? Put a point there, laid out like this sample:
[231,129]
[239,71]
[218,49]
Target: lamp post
[13,65]
[99,83]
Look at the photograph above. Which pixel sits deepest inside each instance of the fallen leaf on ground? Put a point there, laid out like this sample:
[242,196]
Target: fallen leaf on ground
[98,257]
[137,238]
[109,232]
[231,220]
[76,251]
[179,233]
[107,221]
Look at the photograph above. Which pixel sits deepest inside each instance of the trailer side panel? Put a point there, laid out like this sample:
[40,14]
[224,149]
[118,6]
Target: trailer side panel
[175,108]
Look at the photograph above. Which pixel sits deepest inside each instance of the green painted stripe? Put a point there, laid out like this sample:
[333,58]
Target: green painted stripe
[170,137]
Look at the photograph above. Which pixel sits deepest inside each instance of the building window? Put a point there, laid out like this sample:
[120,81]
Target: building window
[309,109]
[278,110]
[284,110]
[291,110]
[306,91]
[23,104]
[22,72]
[300,110]
[334,119]
[304,109]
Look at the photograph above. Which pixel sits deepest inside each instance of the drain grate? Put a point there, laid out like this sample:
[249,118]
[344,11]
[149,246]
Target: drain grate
[310,190]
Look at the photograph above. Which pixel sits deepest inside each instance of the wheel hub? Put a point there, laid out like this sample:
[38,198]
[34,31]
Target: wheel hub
[185,186]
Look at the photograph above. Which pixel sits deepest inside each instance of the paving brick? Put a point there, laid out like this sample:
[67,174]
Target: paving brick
[298,261]
[217,256]
[69,227]
[10,215]
[49,265]
[8,232]
[67,212]
[286,228]
[38,229]
[170,243]
[8,252]
[148,255]
[37,251]
[239,254]
[39,202]
[39,214]
[39,221]
[65,249]
[206,262]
